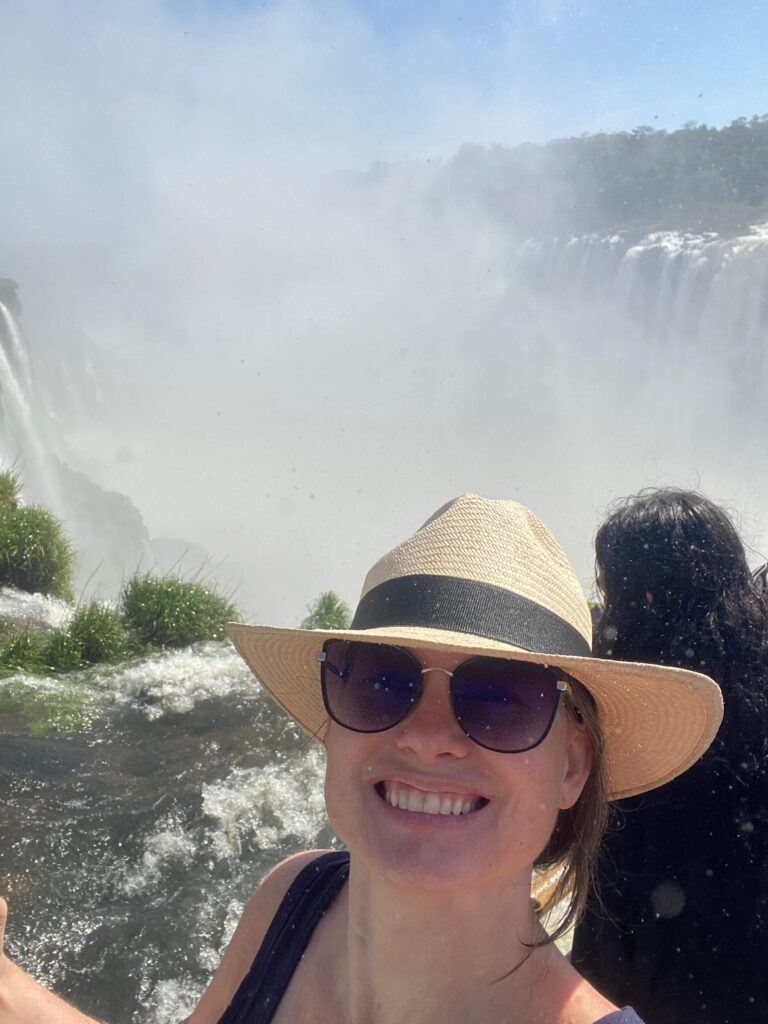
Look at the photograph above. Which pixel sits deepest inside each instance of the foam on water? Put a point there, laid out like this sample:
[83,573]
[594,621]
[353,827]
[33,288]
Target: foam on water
[20,606]
[169,847]
[174,682]
[169,1001]
[271,803]
[136,835]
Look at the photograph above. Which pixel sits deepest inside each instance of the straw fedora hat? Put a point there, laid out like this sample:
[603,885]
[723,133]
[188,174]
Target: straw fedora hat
[484,576]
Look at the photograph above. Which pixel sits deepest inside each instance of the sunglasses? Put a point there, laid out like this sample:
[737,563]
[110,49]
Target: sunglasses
[503,705]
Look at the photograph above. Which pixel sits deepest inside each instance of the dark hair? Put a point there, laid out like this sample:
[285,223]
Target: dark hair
[678,591]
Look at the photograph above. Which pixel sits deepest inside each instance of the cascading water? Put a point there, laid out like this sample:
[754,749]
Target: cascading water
[24,437]
[691,296]
[140,807]
[108,532]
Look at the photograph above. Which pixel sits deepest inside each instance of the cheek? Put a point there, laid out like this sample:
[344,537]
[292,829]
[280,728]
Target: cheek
[345,770]
[335,777]
[538,776]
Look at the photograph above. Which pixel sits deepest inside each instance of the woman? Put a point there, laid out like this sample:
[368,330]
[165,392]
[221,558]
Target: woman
[683,930]
[471,738]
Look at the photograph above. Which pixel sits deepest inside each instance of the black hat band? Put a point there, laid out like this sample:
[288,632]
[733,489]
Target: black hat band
[469,606]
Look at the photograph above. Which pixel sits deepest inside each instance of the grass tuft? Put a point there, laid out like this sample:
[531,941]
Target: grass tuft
[99,633]
[21,651]
[62,652]
[94,634]
[164,611]
[35,553]
[10,489]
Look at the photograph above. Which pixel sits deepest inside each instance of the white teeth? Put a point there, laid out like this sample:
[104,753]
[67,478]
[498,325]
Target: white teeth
[432,804]
[408,799]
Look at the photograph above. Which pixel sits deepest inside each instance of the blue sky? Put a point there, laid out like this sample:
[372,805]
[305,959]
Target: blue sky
[585,66]
[435,73]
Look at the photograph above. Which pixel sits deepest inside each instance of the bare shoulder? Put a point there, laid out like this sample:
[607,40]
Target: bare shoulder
[248,936]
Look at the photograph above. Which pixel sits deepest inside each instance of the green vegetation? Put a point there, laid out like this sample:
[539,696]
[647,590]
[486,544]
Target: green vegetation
[327,612]
[94,634]
[695,179]
[98,634]
[164,611]
[154,611]
[35,553]
[21,650]
[61,652]
[10,490]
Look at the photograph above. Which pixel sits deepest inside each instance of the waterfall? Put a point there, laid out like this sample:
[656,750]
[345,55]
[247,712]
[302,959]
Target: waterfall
[694,293]
[24,441]
[109,534]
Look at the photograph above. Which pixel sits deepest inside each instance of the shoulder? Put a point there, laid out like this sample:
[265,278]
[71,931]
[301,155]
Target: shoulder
[269,893]
[248,936]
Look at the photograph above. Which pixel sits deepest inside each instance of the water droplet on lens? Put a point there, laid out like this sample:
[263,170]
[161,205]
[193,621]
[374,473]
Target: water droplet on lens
[668,899]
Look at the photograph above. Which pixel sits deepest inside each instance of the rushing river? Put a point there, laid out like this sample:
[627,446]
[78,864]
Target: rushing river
[136,825]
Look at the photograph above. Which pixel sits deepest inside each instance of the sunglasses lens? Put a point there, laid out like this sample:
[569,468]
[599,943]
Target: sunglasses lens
[507,706]
[368,687]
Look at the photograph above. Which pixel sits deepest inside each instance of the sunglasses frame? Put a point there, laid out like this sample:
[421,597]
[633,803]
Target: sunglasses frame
[564,685]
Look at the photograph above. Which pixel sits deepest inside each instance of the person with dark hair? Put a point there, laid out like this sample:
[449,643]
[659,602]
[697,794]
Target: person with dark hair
[683,877]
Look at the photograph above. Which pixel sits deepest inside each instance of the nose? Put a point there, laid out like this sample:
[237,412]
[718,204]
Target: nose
[431,731]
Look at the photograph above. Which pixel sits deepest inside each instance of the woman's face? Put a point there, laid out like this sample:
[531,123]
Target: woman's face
[509,802]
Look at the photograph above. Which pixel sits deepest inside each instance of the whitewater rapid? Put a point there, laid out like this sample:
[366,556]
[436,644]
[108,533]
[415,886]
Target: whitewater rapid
[134,832]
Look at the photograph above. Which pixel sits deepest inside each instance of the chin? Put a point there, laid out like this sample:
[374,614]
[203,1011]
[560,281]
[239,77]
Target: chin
[426,869]
[432,854]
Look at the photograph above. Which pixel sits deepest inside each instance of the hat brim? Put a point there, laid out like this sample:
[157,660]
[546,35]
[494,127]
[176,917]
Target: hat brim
[656,721]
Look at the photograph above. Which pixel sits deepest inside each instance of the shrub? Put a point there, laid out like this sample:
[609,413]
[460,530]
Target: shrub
[10,489]
[165,611]
[98,632]
[35,553]
[62,652]
[327,612]
[22,650]
[94,634]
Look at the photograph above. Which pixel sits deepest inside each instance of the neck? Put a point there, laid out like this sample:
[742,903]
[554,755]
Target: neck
[408,953]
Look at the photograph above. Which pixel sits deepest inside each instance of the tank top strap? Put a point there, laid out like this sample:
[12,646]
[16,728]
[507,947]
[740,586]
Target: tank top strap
[308,897]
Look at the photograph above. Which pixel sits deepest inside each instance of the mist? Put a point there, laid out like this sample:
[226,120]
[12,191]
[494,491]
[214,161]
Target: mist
[263,304]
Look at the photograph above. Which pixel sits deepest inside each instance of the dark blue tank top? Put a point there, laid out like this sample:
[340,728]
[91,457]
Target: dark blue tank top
[308,897]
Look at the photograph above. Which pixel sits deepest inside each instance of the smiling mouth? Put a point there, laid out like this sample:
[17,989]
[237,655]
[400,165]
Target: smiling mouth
[425,802]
